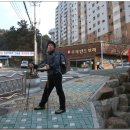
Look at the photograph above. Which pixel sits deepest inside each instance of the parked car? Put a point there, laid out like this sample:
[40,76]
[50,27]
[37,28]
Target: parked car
[1,65]
[24,64]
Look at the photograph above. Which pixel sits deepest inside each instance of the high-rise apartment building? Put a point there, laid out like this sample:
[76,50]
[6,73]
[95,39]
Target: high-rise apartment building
[121,21]
[90,21]
[97,20]
[52,33]
[67,23]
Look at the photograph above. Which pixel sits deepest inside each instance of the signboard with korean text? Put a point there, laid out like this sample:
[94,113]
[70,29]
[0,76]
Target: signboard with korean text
[81,51]
[16,53]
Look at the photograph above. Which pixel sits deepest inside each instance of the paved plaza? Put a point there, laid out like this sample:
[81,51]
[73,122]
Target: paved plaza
[78,112]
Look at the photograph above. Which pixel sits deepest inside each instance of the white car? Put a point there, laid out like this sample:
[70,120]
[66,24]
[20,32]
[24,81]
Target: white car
[1,65]
[24,64]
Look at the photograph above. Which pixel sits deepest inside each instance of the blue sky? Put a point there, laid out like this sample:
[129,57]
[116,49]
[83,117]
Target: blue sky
[45,15]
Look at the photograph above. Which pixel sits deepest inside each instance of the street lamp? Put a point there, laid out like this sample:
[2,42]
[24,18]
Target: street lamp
[101,52]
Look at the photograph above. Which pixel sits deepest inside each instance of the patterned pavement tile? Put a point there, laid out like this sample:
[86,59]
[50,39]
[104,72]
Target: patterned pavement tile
[78,113]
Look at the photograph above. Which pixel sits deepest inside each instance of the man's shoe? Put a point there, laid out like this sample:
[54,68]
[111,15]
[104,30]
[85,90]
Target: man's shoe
[59,111]
[39,108]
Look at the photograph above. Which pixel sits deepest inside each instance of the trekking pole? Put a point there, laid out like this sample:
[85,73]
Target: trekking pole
[28,90]
[47,101]
[28,95]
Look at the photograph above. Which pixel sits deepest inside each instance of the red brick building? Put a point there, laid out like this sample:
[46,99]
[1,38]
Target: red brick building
[90,54]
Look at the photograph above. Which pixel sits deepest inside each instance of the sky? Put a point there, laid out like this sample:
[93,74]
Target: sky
[45,14]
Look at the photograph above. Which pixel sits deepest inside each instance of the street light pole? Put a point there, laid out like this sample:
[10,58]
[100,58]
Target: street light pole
[101,53]
[35,41]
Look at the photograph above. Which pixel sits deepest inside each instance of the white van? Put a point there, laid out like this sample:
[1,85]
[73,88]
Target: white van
[24,64]
[1,65]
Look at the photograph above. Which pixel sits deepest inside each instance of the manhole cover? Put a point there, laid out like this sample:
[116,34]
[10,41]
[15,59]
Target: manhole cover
[3,111]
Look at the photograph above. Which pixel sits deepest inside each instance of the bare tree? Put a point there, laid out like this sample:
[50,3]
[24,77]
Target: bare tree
[121,50]
[116,49]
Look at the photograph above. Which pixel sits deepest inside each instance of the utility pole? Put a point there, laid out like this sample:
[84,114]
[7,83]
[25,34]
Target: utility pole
[35,3]
[41,47]
[101,42]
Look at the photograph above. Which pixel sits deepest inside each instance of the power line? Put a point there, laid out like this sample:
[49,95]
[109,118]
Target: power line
[17,10]
[27,12]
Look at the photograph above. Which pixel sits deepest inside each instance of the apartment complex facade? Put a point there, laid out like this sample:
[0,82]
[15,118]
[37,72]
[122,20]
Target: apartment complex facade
[90,21]
[66,23]
[52,33]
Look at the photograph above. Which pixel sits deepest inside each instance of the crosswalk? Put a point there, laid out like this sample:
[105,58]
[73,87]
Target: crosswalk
[64,78]
[43,75]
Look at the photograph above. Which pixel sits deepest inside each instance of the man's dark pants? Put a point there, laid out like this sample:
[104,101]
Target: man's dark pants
[54,80]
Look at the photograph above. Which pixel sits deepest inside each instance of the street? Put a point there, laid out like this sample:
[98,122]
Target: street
[43,75]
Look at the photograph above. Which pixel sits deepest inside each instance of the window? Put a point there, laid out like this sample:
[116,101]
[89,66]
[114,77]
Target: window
[93,25]
[93,5]
[93,18]
[98,8]
[94,32]
[116,12]
[98,38]
[128,5]
[102,5]
[98,22]
[99,30]
[103,28]
[120,10]
[97,2]
[89,28]
[103,21]
[123,18]
[93,11]
[117,21]
[98,15]
[109,16]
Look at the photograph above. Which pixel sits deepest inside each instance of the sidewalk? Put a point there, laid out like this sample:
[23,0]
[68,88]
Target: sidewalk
[78,114]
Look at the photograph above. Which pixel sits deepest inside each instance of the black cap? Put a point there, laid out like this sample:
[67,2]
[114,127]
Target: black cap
[51,42]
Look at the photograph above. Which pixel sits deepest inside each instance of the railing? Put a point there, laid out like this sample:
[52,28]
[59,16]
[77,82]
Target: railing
[12,85]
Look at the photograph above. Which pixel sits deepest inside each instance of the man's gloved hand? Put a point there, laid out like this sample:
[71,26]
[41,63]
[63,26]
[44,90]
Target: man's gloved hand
[45,68]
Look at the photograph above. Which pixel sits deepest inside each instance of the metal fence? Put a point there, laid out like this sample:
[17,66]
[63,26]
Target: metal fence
[13,84]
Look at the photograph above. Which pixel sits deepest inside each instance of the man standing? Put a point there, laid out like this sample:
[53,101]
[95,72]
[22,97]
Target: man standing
[52,64]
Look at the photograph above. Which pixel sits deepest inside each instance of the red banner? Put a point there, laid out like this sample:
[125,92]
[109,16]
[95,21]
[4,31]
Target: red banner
[129,55]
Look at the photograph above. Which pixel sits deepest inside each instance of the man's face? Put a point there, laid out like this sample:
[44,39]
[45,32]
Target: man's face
[50,47]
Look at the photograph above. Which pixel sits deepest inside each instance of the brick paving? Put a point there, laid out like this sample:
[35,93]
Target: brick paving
[78,113]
